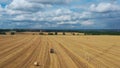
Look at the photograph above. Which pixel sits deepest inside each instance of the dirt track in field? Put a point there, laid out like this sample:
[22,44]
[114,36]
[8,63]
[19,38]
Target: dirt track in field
[22,51]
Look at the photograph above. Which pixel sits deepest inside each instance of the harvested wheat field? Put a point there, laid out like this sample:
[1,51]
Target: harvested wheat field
[33,51]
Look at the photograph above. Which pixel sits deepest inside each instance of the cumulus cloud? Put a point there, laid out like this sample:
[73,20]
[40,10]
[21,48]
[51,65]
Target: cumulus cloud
[53,14]
[67,22]
[24,5]
[104,7]
[50,1]
[87,23]
[19,4]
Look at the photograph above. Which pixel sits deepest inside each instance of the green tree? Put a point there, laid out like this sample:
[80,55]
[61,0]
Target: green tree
[56,33]
[49,33]
[63,33]
[41,33]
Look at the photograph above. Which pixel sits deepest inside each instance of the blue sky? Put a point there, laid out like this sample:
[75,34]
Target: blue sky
[60,14]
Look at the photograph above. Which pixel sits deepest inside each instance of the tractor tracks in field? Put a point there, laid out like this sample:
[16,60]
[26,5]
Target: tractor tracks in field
[96,55]
[77,60]
[33,53]
[11,48]
[43,56]
[15,55]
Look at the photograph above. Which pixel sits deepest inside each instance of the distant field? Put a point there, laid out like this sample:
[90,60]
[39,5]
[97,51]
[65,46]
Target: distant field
[21,51]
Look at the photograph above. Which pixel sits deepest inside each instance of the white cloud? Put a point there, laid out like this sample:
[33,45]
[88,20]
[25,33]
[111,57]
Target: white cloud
[86,14]
[67,22]
[51,1]
[87,23]
[104,7]
[24,5]
[14,12]
[62,18]
[20,17]
[16,4]
[46,13]
[58,16]
[62,11]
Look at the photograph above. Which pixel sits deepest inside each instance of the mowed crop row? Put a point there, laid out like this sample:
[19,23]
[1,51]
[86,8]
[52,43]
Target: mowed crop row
[21,51]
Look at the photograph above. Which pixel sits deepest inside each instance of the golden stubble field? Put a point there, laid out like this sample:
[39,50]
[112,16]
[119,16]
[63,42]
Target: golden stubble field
[21,51]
